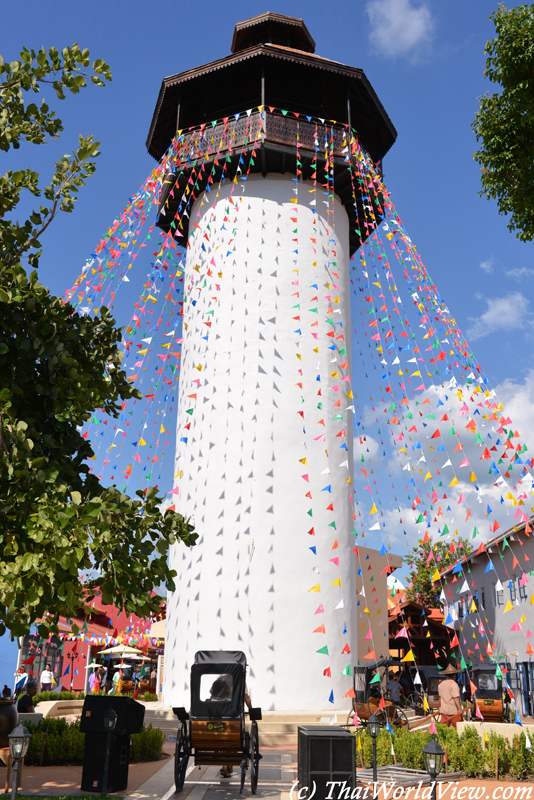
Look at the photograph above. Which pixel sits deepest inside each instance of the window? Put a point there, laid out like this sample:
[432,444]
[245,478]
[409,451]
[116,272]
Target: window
[460,609]
[482,598]
[522,592]
[512,589]
[499,596]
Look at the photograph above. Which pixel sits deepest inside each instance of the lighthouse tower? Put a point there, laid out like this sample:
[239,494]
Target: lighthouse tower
[265,205]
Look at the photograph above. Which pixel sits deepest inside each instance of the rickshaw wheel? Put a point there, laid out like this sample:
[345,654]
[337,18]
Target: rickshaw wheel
[254,756]
[181,757]
[396,717]
[415,701]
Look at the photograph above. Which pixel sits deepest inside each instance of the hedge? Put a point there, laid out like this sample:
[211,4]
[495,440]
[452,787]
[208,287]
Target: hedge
[147,697]
[65,743]
[465,753]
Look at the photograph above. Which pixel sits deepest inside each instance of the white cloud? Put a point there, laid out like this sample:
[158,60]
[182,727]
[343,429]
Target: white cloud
[488,265]
[399,28]
[516,398]
[367,447]
[503,313]
[518,273]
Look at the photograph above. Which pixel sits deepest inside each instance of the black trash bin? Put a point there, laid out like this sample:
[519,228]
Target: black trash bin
[326,754]
[130,716]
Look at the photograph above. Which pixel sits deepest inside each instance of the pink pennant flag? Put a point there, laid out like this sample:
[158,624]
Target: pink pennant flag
[478,715]
[433,728]
[320,610]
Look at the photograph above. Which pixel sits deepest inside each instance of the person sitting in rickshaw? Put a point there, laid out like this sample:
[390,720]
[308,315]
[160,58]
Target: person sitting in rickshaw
[221,690]
[450,706]
[394,688]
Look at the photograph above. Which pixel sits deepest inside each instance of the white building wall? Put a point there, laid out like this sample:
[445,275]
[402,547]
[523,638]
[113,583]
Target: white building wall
[495,588]
[251,272]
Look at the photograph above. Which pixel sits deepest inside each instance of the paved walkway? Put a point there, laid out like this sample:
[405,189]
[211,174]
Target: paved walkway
[155,780]
[278,772]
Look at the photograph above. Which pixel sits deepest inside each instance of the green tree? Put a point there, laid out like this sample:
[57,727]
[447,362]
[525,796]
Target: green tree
[504,123]
[56,367]
[422,589]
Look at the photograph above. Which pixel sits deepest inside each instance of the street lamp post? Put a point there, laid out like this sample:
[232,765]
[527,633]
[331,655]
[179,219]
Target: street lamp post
[110,720]
[72,658]
[433,760]
[373,726]
[19,740]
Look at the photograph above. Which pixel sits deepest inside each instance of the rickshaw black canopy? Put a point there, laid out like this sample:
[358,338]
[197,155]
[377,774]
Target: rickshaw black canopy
[361,677]
[489,686]
[221,693]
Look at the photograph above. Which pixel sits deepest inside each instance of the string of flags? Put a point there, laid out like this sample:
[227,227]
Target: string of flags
[435,452]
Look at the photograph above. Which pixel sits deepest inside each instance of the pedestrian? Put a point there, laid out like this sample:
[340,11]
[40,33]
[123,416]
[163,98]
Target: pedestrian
[47,676]
[153,681]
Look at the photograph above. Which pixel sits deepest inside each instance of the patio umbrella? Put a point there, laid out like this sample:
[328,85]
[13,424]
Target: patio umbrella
[121,649]
[93,665]
[130,656]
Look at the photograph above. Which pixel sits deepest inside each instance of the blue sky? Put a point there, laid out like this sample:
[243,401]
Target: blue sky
[425,60]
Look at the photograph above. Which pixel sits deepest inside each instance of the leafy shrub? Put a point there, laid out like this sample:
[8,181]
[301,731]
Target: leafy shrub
[43,696]
[466,753]
[65,743]
[150,697]
[521,760]
[147,745]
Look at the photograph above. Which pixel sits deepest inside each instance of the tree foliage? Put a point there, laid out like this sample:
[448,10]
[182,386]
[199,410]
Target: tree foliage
[504,123]
[56,368]
[422,567]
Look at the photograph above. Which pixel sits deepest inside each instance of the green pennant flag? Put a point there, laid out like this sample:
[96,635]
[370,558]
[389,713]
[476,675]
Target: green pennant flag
[323,650]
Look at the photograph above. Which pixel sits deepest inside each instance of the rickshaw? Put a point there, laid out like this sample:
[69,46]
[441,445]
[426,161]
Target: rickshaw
[215,731]
[428,684]
[367,696]
[491,697]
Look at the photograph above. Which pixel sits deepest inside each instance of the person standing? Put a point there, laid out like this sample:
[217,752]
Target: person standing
[47,677]
[450,706]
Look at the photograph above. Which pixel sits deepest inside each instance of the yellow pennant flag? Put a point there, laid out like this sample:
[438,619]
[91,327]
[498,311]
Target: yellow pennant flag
[508,607]
[337,582]
[373,510]
[435,576]
[454,481]
[486,737]
[141,441]
[316,588]
[425,703]
[409,656]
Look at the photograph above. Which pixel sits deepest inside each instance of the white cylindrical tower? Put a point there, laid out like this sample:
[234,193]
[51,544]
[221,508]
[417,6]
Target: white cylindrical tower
[264,431]
[264,445]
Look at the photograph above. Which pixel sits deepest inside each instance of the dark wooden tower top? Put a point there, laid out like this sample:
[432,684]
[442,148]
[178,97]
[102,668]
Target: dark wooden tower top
[272,28]
[273,65]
